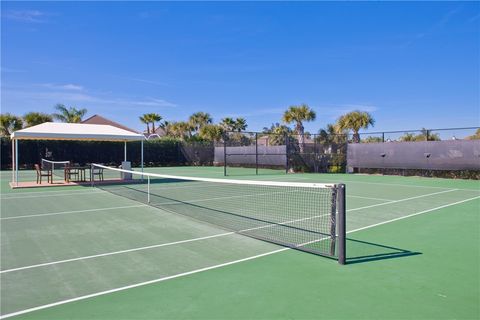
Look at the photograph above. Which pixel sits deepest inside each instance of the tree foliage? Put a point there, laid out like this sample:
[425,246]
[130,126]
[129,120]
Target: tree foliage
[408,136]
[9,123]
[355,121]
[475,136]
[299,115]
[211,132]
[276,134]
[199,120]
[180,129]
[150,118]
[35,118]
[230,124]
[69,114]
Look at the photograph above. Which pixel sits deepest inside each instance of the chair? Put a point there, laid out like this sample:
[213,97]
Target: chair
[96,172]
[71,172]
[43,173]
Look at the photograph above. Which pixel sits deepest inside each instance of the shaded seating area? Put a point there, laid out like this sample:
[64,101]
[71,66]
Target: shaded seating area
[70,174]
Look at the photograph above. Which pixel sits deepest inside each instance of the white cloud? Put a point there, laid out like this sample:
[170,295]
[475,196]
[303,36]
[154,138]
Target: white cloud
[68,86]
[70,94]
[33,16]
[147,81]
[435,27]
[10,70]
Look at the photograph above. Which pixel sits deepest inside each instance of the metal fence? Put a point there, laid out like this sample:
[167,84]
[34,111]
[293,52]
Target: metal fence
[286,152]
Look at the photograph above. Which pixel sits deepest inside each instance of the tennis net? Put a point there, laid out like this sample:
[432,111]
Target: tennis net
[304,216]
[57,167]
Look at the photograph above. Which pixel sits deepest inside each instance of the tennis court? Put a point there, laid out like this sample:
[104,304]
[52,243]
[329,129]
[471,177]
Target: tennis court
[83,252]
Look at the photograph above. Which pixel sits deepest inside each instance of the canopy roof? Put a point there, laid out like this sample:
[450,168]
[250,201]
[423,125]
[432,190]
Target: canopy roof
[75,131]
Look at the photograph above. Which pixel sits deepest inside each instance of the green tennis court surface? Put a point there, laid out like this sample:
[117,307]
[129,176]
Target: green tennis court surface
[83,253]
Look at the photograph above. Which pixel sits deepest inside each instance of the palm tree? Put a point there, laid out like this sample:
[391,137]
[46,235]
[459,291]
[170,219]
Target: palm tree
[299,114]
[240,124]
[70,115]
[199,119]
[427,135]
[213,132]
[355,121]
[474,136]
[330,134]
[146,120]
[34,118]
[9,123]
[181,129]
[228,124]
[276,134]
[154,117]
[408,137]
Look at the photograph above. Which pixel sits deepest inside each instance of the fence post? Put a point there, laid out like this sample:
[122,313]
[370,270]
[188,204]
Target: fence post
[256,153]
[286,153]
[225,155]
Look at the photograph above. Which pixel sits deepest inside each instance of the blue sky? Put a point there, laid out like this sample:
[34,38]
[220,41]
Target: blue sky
[411,64]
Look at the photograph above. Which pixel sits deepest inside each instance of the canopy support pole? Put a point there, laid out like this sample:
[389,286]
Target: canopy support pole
[16,162]
[141,155]
[125,151]
[13,161]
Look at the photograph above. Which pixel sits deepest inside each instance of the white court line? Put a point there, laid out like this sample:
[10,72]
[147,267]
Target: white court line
[47,192]
[56,195]
[116,252]
[414,214]
[401,200]
[207,268]
[140,284]
[380,183]
[369,198]
[75,211]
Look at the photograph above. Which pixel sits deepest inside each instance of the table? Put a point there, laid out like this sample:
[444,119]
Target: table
[81,173]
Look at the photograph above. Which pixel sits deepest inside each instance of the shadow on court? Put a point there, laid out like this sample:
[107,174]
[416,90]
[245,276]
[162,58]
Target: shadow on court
[359,251]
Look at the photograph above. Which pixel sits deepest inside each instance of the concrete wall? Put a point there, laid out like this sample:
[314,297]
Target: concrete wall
[430,155]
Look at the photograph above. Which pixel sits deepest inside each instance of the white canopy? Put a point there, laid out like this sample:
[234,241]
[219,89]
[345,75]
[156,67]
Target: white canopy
[76,131]
[72,131]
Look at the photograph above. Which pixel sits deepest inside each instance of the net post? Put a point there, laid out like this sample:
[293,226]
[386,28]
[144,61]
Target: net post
[256,153]
[341,222]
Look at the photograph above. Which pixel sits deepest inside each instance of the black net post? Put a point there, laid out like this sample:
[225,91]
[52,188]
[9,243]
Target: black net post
[256,153]
[341,223]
